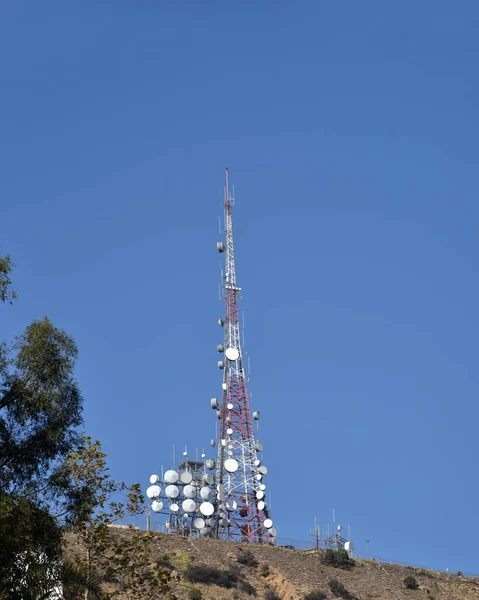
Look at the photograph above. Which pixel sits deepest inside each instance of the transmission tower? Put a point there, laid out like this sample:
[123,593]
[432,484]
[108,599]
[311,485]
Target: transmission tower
[242,511]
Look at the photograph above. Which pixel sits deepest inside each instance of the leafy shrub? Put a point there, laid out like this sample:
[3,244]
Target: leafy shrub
[315,595]
[338,590]
[336,558]
[211,576]
[246,587]
[164,561]
[246,557]
[195,594]
[410,582]
[264,570]
[459,573]
[270,595]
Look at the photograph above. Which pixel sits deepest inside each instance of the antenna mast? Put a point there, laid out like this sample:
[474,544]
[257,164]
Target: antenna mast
[243,514]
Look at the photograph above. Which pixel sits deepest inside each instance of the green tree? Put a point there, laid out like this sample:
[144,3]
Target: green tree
[95,502]
[6,267]
[40,411]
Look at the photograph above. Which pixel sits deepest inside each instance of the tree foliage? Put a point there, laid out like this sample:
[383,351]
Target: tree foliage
[6,292]
[40,411]
[122,558]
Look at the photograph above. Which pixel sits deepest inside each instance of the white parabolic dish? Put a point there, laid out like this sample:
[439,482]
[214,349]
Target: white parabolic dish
[174,507]
[189,491]
[171,476]
[231,465]
[205,493]
[261,505]
[199,523]
[231,505]
[268,523]
[154,479]
[260,495]
[232,354]
[189,505]
[172,491]
[186,477]
[153,491]
[156,506]
[207,509]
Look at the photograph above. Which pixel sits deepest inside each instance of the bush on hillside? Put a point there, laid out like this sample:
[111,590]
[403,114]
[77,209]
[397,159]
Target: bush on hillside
[164,561]
[270,595]
[338,590]
[264,570]
[410,582]
[315,595]
[195,594]
[247,588]
[211,576]
[336,558]
[246,557]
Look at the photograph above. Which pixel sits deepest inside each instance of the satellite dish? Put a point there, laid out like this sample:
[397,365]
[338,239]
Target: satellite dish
[259,447]
[154,479]
[272,532]
[231,353]
[348,546]
[189,505]
[189,491]
[229,405]
[171,476]
[174,507]
[231,505]
[156,506]
[257,462]
[167,524]
[210,464]
[231,465]
[220,246]
[259,477]
[153,491]
[209,478]
[214,403]
[221,321]
[224,386]
[221,364]
[207,509]
[172,491]
[205,530]
[220,348]
[221,492]
[186,477]
[256,415]
[268,523]
[213,443]
[262,487]
[263,470]
[260,495]
[224,522]
[261,505]
[205,493]
[229,431]
[199,523]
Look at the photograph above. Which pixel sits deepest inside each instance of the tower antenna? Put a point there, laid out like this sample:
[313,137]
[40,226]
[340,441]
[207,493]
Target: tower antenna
[239,470]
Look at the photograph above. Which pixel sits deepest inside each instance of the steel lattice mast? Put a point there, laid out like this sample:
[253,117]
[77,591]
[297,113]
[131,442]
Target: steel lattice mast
[242,511]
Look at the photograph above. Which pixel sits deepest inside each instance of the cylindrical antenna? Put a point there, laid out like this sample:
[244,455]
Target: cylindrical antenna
[227,183]
[174,459]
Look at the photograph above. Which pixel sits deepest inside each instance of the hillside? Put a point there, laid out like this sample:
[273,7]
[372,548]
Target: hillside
[293,573]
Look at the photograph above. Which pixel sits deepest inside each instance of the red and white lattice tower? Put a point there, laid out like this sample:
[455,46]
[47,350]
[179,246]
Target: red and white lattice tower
[242,513]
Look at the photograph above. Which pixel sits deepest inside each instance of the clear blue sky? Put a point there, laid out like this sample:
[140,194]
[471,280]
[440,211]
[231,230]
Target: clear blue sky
[351,134]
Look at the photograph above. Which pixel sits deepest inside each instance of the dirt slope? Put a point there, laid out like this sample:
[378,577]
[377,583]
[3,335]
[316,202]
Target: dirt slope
[292,573]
